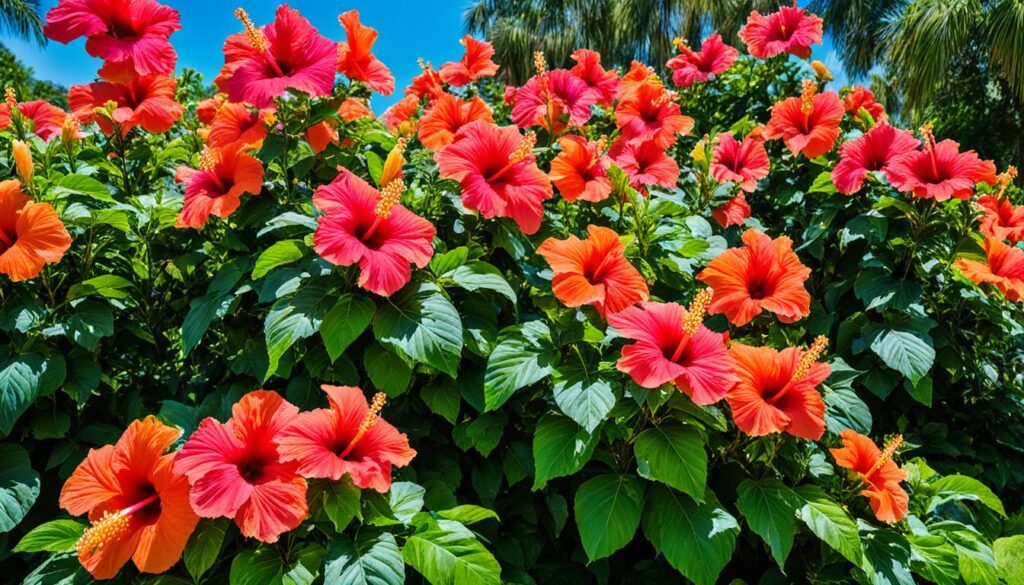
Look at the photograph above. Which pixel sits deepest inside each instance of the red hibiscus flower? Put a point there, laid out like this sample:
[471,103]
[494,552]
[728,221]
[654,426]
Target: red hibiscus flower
[689,66]
[136,500]
[876,469]
[355,60]
[861,98]
[402,112]
[1002,220]
[743,163]
[551,95]
[260,64]
[130,35]
[763,275]
[144,101]
[940,171]
[353,109]
[593,271]
[498,174]
[579,170]
[206,110]
[216,188]
[873,151]
[588,68]
[446,115]
[321,134]
[45,119]
[790,30]
[735,212]
[808,124]
[646,164]
[362,226]
[648,113]
[427,84]
[672,345]
[476,64]
[776,390]
[237,125]
[31,234]
[637,73]
[1003,268]
[349,438]
[235,468]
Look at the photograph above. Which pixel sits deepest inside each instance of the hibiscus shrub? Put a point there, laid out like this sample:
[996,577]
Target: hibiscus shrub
[601,328]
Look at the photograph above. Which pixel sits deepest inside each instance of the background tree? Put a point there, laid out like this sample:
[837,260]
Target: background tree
[22,18]
[13,73]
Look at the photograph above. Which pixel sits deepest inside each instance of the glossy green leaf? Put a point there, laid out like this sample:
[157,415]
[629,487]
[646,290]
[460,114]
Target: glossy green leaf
[424,325]
[673,454]
[607,510]
[770,508]
[696,539]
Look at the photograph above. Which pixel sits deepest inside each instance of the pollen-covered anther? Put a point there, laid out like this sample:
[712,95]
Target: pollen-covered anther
[664,98]
[678,43]
[807,96]
[810,356]
[109,527]
[368,421]
[540,64]
[208,159]
[928,133]
[70,128]
[389,197]
[11,98]
[695,315]
[524,149]
[1006,179]
[887,454]
[602,143]
[256,38]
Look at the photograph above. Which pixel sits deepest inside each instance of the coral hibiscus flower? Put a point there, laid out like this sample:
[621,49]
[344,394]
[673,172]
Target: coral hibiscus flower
[735,212]
[130,35]
[861,98]
[1002,220]
[45,119]
[136,499]
[355,60]
[808,124]
[552,99]
[743,163]
[427,84]
[144,101]
[402,113]
[348,438]
[353,109]
[289,53]
[646,164]
[363,226]
[498,174]
[206,110]
[878,471]
[588,68]
[689,66]
[238,125]
[673,346]
[446,115]
[940,171]
[31,234]
[776,390]
[216,188]
[763,275]
[875,150]
[648,113]
[235,468]
[593,271]
[579,170]
[1003,268]
[476,64]
[790,30]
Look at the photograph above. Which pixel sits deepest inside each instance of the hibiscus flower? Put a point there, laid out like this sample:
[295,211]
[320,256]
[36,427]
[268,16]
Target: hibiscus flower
[861,98]
[809,124]
[235,468]
[348,438]
[588,68]
[646,164]
[878,471]
[45,119]
[206,110]
[763,275]
[940,171]
[355,60]
[648,114]
[776,390]
[31,234]
[130,35]
[1003,268]
[145,101]
[476,64]
[217,186]
[552,100]
[790,30]
[400,115]
[236,125]
[672,345]
[289,53]
[1001,220]
[443,118]
[498,173]
[353,109]
[137,501]
[362,226]
[735,212]
[579,170]
[743,163]
[593,271]
[875,150]
[689,66]
[427,84]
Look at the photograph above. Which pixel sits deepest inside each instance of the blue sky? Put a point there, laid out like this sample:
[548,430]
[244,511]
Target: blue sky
[408,29]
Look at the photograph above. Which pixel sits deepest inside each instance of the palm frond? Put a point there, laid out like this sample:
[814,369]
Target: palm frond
[1006,41]
[22,18]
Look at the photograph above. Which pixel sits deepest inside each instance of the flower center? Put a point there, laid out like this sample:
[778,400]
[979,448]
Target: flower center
[110,527]
[758,288]
[691,323]
[368,421]
[807,97]
[11,98]
[810,357]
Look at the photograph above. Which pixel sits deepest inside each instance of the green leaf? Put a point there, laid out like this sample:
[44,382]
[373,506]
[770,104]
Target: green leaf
[886,556]
[560,448]
[19,485]
[280,253]
[387,371]
[443,399]
[607,510]
[697,539]
[90,322]
[823,184]
[83,185]
[343,324]
[305,568]
[341,502]
[372,558]
[845,410]
[54,536]
[109,285]
[961,487]
[262,566]
[524,357]
[1009,553]
[406,500]
[204,546]
[293,318]
[673,454]
[934,559]
[481,276]
[770,507]
[19,387]
[877,289]
[975,558]
[468,514]
[202,311]
[582,394]
[446,553]
[830,523]
[905,351]
[59,569]
[921,390]
[424,325]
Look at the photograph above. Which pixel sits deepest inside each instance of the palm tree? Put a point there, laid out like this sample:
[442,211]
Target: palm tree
[22,18]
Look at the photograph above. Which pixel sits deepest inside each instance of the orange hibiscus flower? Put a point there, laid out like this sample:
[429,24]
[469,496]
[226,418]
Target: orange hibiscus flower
[580,170]
[31,234]
[216,188]
[878,471]
[445,115]
[1002,268]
